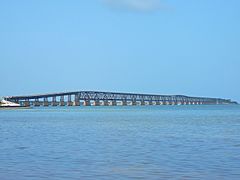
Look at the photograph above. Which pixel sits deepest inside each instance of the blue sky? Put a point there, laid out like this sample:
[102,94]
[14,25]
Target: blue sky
[147,46]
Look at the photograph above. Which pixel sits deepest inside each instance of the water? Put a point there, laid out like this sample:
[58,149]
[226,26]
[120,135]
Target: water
[158,142]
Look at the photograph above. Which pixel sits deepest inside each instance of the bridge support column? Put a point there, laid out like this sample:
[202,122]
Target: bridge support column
[124,102]
[150,103]
[134,103]
[96,103]
[26,103]
[166,103]
[45,101]
[87,102]
[62,103]
[142,103]
[105,103]
[173,103]
[76,101]
[157,103]
[114,103]
[36,103]
[54,101]
[179,103]
[70,103]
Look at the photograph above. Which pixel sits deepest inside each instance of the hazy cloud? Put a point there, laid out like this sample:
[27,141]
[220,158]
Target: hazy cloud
[137,5]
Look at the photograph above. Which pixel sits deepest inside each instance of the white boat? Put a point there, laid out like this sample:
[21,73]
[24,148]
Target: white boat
[5,104]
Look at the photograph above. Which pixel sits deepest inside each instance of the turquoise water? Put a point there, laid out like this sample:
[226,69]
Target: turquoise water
[157,142]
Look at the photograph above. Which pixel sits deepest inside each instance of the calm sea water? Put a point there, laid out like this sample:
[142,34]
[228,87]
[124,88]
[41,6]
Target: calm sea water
[158,142]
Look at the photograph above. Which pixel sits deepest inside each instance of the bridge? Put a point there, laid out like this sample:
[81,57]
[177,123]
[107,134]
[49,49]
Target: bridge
[95,98]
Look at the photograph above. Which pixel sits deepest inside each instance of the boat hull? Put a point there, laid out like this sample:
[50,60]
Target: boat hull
[14,107]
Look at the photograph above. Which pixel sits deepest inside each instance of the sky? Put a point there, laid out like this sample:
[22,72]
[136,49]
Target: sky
[145,46]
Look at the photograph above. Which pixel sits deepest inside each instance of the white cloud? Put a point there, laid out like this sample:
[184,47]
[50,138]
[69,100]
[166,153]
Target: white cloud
[137,5]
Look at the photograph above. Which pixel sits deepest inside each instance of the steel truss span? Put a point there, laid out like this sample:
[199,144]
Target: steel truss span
[95,98]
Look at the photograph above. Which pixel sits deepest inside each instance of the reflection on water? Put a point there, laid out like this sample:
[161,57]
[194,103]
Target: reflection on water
[164,142]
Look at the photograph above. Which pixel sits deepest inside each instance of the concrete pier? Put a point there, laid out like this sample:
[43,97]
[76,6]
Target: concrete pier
[62,103]
[45,102]
[76,101]
[37,103]
[26,103]
[69,103]
[54,101]
[134,103]
[114,103]
[86,103]
[96,103]
[105,103]
[124,103]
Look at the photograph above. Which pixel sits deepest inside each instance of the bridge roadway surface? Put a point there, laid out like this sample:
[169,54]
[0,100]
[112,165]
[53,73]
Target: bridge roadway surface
[111,98]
